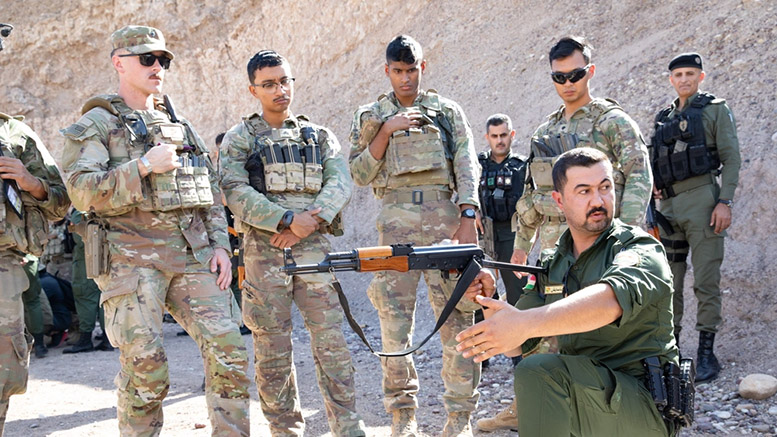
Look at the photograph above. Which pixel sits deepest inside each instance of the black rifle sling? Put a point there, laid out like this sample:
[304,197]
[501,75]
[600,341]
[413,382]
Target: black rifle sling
[466,278]
[348,316]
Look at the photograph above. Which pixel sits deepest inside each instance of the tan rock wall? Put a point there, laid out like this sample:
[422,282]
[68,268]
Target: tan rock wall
[489,56]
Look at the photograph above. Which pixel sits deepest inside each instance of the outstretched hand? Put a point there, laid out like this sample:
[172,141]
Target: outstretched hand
[500,333]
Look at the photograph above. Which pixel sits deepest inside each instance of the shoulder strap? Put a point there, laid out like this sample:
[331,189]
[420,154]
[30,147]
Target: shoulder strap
[663,114]
[702,100]
[600,107]
[110,102]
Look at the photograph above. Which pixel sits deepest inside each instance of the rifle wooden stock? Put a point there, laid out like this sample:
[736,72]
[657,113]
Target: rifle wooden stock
[396,263]
[375,252]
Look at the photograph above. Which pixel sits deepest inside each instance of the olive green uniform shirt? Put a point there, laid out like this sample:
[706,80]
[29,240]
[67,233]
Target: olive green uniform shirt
[635,266]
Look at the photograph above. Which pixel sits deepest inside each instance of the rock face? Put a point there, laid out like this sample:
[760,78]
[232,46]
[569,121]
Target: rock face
[758,386]
[487,59]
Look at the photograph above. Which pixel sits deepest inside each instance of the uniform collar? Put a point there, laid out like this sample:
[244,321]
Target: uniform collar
[559,114]
[676,102]
[291,122]
[419,99]
[564,245]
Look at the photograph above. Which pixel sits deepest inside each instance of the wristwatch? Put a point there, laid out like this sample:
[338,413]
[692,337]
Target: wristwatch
[146,164]
[286,220]
[729,203]
[468,213]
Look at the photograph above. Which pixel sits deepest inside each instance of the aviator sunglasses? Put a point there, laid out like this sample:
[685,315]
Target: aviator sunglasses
[148,59]
[573,76]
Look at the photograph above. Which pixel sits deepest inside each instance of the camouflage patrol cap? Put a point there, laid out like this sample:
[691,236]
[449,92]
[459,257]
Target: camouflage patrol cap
[140,39]
[692,60]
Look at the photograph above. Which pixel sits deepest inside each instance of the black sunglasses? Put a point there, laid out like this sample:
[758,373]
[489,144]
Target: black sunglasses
[573,76]
[148,59]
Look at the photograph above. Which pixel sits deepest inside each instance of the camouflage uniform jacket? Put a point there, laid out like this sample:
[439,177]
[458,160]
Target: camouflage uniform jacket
[367,121]
[103,180]
[619,137]
[19,141]
[264,211]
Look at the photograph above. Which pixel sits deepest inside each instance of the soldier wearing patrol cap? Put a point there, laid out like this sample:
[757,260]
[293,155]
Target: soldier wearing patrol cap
[286,182]
[32,195]
[695,141]
[155,239]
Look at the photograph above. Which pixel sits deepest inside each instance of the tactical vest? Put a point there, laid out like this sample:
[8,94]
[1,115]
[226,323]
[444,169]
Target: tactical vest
[291,164]
[185,187]
[500,186]
[679,149]
[29,231]
[546,149]
[417,156]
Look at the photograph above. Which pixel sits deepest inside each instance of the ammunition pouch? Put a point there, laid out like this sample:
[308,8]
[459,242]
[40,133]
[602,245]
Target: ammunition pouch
[672,388]
[96,249]
[288,163]
[678,146]
[500,188]
[545,205]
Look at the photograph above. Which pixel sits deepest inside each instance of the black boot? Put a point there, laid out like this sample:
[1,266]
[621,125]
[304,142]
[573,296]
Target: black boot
[707,366]
[104,344]
[84,344]
[39,346]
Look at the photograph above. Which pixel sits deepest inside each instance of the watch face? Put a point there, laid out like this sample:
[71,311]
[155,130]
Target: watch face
[468,213]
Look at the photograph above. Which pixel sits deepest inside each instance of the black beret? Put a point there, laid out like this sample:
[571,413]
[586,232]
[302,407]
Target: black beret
[686,60]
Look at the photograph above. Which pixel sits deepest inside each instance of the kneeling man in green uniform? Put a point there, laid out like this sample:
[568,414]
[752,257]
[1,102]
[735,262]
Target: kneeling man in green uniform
[607,296]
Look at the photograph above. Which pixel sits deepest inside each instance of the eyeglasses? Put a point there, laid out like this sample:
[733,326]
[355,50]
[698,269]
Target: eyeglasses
[271,87]
[148,59]
[573,76]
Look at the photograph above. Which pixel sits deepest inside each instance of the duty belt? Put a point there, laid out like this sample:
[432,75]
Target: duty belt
[416,197]
[688,185]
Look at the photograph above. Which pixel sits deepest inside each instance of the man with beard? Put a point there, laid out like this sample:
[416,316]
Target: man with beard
[607,295]
[582,121]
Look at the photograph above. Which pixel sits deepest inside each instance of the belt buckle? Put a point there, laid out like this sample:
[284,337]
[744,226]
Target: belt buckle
[417,197]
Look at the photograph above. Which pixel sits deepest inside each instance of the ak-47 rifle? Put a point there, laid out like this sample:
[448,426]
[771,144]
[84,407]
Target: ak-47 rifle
[464,259]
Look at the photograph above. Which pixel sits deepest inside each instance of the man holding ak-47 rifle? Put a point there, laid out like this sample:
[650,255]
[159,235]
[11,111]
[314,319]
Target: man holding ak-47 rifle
[157,241]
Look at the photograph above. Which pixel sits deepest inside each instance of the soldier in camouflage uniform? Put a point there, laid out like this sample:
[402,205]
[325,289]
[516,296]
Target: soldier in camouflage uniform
[27,166]
[286,183]
[166,238]
[415,148]
[582,121]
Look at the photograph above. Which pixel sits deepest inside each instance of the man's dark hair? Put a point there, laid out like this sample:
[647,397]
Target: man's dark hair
[498,120]
[405,49]
[567,45]
[220,138]
[580,157]
[262,59]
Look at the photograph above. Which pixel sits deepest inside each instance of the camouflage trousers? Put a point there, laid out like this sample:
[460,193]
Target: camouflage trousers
[14,343]
[267,298]
[394,296]
[134,300]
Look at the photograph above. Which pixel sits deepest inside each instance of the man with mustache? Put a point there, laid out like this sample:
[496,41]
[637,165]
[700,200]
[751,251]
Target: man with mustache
[582,121]
[144,177]
[607,295]
[415,147]
[695,140]
[286,183]
[32,194]
[502,176]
